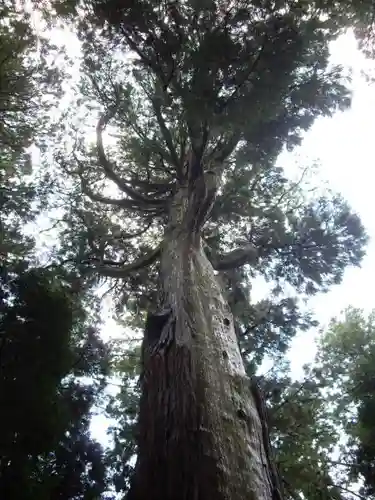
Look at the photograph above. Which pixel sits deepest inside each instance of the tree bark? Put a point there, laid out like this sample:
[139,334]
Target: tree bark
[200,436]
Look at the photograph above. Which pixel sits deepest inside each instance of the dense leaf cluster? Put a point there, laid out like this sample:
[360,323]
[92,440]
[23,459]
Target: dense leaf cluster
[45,447]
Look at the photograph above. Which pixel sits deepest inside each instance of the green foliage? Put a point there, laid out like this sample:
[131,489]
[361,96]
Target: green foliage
[322,427]
[123,408]
[346,360]
[249,107]
[53,364]
[30,84]
[31,310]
[44,346]
[303,436]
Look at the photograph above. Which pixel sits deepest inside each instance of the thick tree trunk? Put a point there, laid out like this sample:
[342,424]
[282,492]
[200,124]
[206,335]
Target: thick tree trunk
[200,436]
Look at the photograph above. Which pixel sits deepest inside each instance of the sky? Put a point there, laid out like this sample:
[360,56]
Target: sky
[343,147]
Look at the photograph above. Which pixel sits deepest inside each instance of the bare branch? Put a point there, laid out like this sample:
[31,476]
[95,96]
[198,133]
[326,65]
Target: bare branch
[122,202]
[51,228]
[158,149]
[156,187]
[244,255]
[292,187]
[129,236]
[347,490]
[290,398]
[195,156]
[245,77]
[127,203]
[89,232]
[102,96]
[147,61]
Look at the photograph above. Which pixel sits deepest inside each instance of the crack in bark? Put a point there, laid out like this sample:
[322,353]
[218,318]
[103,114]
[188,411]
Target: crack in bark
[160,330]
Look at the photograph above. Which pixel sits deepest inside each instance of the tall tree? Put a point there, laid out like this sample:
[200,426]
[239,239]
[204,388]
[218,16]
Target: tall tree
[191,202]
[303,435]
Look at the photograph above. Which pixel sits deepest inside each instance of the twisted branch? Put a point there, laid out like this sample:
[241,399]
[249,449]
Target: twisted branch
[105,267]
[236,258]
[108,167]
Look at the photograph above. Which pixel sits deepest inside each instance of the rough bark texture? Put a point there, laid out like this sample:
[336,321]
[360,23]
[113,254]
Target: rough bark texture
[200,435]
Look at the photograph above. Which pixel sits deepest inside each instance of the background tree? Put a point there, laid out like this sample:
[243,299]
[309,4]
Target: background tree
[46,350]
[123,410]
[52,362]
[346,362]
[322,425]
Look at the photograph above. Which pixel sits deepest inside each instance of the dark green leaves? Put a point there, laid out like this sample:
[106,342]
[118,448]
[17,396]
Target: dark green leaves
[52,362]
[44,411]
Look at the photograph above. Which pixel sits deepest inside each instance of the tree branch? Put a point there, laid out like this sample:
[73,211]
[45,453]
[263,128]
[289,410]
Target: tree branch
[347,490]
[292,187]
[166,133]
[198,146]
[129,236]
[128,203]
[121,272]
[236,258]
[154,186]
[289,398]
[108,168]
[122,202]
[245,77]
[156,148]
[223,149]
[146,61]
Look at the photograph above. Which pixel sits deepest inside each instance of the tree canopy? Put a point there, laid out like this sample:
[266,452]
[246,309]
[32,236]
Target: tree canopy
[150,94]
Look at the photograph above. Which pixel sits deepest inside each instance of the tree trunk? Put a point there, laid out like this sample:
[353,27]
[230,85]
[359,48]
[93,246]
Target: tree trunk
[200,436]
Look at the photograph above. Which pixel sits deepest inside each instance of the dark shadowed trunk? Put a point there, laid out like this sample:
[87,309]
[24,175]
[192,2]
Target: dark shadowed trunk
[200,434]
